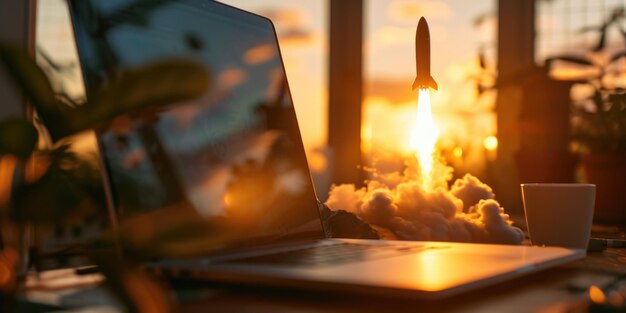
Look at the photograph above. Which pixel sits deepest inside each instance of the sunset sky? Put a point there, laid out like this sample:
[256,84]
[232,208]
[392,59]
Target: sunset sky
[389,67]
[459,30]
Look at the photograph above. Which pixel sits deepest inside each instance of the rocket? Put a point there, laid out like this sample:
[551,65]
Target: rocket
[423,78]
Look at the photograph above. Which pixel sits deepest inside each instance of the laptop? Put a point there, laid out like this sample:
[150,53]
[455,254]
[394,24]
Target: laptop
[235,158]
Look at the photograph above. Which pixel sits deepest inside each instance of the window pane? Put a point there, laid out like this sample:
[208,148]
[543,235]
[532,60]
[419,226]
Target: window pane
[459,30]
[301,26]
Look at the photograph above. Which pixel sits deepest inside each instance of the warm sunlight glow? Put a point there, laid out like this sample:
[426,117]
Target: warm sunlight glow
[424,137]
[7,168]
[490,143]
[596,295]
[387,126]
[317,161]
[458,152]
[228,201]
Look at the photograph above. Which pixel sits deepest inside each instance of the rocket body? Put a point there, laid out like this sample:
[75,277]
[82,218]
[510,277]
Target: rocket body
[423,78]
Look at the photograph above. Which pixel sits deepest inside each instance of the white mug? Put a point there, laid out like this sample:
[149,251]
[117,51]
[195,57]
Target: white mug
[559,214]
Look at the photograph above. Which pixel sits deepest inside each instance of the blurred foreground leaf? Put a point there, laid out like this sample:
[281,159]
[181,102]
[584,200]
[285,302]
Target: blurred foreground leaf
[29,76]
[150,86]
[571,59]
[173,232]
[48,199]
[17,137]
[135,289]
[8,261]
[617,55]
[58,185]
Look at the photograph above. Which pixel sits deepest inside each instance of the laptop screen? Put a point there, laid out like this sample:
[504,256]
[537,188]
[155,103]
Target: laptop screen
[235,154]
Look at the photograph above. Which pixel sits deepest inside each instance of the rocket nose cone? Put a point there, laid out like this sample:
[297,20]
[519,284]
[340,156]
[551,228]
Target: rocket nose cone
[422,26]
[422,22]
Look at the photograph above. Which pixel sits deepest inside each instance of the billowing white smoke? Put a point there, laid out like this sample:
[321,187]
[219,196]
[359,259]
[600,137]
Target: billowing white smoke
[398,208]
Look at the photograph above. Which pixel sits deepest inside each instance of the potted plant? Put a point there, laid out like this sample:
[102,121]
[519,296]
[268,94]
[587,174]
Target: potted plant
[599,120]
[39,187]
[601,136]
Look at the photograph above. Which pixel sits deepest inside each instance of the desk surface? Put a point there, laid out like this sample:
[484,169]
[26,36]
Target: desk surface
[554,290]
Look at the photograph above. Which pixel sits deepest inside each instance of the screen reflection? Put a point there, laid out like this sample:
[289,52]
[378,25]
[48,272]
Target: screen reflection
[235,154]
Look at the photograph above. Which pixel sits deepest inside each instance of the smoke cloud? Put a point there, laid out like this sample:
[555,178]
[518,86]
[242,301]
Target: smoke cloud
[397,207]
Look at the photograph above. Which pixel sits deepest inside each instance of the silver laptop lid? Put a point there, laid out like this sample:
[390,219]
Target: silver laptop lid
[234,155]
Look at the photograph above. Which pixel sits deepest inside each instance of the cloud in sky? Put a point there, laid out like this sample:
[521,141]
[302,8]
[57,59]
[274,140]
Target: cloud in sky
[287,16]
[293,25]
[232,77]
[260,54]
[297,36]
[392,35]
[395,35]
[409,11]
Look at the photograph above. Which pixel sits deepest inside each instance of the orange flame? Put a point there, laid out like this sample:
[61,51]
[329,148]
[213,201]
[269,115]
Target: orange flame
[424,137]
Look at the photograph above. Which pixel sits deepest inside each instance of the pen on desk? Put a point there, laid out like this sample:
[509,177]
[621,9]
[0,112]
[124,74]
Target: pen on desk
[597,244]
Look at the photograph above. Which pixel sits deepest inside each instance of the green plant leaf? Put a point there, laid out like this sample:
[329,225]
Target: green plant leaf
[49,199]
[571,59]
[602,40]
[589,28]
[30,78]
[598,102]
[618,55]
[175,231]
[136,290]
[17,137]
[153,85]
[149,87]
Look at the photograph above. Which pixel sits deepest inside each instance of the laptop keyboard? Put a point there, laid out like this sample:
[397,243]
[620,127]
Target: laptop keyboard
[331,254]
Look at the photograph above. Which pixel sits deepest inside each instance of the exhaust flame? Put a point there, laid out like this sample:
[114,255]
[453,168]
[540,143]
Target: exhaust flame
[418,202]
[424,138]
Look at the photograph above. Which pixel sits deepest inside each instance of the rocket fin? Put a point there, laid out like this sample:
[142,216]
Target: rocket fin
[415,84]
[430,82]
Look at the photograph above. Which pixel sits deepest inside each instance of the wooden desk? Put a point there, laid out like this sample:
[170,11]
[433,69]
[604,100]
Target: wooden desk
[554,290]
